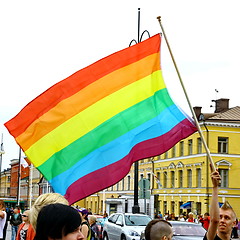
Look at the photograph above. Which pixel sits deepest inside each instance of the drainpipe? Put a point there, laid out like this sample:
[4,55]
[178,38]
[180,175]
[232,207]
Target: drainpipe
[152,185]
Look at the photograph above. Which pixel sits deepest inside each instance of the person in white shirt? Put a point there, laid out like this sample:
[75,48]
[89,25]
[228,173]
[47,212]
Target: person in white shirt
[181,218]
[3,216]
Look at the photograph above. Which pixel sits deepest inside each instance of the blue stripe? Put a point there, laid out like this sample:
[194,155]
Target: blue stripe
[119,148]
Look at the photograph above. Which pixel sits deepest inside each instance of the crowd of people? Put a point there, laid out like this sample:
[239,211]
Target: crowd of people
[51,218]
[188,217]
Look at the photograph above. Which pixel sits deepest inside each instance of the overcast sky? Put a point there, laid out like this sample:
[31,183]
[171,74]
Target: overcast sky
[43,42]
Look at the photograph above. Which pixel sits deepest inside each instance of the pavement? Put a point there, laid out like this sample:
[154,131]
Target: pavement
[9,232]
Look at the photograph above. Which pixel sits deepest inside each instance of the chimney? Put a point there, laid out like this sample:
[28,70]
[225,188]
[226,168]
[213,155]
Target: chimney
[222,104]
[197,111]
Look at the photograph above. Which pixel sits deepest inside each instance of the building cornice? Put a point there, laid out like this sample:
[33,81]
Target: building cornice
[220,124]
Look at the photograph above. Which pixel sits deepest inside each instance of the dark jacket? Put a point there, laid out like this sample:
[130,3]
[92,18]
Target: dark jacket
[15,222]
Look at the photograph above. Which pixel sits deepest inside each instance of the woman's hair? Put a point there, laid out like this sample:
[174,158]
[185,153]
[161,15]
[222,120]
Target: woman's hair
[43,200]
[56,220]
[2,203]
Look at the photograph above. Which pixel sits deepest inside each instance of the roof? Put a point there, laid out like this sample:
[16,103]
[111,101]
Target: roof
[230,115]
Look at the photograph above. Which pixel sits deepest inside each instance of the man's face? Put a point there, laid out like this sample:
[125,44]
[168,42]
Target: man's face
[227,221]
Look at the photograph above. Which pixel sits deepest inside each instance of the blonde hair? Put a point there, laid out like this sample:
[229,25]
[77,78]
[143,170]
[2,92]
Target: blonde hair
[226,206]
[44,200]
[28,212]
[92,218]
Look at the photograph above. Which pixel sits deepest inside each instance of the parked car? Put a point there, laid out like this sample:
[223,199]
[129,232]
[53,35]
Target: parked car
[125,226]
[185,231]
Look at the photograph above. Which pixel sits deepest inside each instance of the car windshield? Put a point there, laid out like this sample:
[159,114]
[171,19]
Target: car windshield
[136,220]
[188,230]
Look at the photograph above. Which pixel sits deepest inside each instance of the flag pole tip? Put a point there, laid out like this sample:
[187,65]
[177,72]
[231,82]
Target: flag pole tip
[159,18]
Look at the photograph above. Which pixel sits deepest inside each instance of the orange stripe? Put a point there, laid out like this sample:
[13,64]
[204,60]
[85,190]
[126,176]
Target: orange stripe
[86,97]
[79,80]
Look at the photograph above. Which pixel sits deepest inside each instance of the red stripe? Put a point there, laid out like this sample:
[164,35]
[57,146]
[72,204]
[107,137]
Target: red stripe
[113,173]
[79,80]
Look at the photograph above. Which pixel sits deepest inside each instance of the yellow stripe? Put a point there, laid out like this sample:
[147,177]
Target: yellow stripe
[93,116]
[87,96]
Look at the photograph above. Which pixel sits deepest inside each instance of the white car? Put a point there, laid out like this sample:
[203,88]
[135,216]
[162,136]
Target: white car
[125,226]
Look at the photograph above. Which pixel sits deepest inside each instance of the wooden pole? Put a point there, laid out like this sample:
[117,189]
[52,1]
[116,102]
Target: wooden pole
[189,103]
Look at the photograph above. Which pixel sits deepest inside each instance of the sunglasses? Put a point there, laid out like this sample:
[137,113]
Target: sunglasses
[24,215]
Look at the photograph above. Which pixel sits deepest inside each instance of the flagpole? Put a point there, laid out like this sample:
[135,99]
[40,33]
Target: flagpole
[186,95]
[136,208]
[1,153]
[19,176]
[30,186]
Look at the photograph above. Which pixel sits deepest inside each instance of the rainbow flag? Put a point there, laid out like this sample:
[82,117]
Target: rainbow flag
[84,133]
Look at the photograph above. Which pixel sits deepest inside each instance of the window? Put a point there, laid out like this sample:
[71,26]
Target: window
[172,207]
[174,151]
[166,155]
[199,207]
[189,178]
[224,177]
[123,184]
[164,206]
[129,182]
[164,179]
[180,178]
[158,180]
[199,177]
[149,177]
[181,151]
[222,145]
[199,145]
[172,179]
[120,220]
[190,145]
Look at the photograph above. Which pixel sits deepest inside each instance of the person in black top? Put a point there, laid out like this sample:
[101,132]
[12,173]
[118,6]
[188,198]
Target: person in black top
[222,220]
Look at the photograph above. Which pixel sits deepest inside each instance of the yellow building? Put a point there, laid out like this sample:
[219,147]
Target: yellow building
[180,178]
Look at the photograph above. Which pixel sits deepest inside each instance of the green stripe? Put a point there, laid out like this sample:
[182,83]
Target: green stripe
[106,132]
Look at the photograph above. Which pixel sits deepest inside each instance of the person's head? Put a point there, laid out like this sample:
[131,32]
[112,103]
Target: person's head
[92,219]
[83,213]
[105,215]
[44,200]
[190,215]
[2,204]
[227,218]
[206,215]
[25,216]
[58,221]
[158,229]
[15,210]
